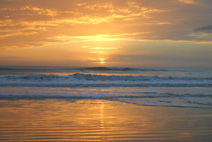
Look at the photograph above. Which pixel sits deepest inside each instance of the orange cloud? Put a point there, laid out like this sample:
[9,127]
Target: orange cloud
[37,23]
[188,1]
[32,10]
[42,23]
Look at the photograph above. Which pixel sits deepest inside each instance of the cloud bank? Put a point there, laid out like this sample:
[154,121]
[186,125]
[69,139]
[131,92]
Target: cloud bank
[32,23]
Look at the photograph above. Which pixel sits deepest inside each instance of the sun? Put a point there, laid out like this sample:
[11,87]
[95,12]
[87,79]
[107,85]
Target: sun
[102,61]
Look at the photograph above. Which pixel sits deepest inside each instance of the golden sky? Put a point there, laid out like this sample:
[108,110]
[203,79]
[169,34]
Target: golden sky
[130,33]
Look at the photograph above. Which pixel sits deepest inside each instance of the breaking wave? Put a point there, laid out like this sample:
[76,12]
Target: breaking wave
[143,98]
[90,80]
[92,77]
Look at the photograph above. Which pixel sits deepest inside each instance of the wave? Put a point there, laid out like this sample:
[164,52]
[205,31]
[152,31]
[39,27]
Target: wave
[78,85]
[109,97]
[91,80]
[45,96]
[148,99]
[93,77]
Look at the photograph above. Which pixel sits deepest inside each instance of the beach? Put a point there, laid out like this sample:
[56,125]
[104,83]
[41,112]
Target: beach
[101,120]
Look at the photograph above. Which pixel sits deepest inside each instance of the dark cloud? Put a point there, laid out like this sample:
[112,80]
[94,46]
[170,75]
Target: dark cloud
[207,28]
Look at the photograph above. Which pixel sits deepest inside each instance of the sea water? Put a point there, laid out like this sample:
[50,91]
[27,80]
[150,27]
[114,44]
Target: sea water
[145,87]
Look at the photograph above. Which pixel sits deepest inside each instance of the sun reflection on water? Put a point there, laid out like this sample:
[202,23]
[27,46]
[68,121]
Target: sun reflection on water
[90,120]
[102,116]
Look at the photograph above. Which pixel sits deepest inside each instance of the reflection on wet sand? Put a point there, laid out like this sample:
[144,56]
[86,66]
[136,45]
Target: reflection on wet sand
[100,120]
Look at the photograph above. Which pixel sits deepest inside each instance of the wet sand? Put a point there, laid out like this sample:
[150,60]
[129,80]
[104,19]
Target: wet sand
[101,120]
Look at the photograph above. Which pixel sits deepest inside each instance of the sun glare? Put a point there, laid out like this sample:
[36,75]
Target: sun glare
[102,61]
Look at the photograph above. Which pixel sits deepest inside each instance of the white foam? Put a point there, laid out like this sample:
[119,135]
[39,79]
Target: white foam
[142,97]
[92,77]
[90,80]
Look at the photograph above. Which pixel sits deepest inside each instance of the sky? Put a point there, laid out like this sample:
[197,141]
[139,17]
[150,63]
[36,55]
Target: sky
[113,33]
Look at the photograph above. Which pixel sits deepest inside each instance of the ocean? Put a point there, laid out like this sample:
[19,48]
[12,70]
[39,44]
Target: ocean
[55,104]
[148,87]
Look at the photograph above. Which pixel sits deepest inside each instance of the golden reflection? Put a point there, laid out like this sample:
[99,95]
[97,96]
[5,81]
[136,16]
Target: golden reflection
[102,116]
[94,120]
